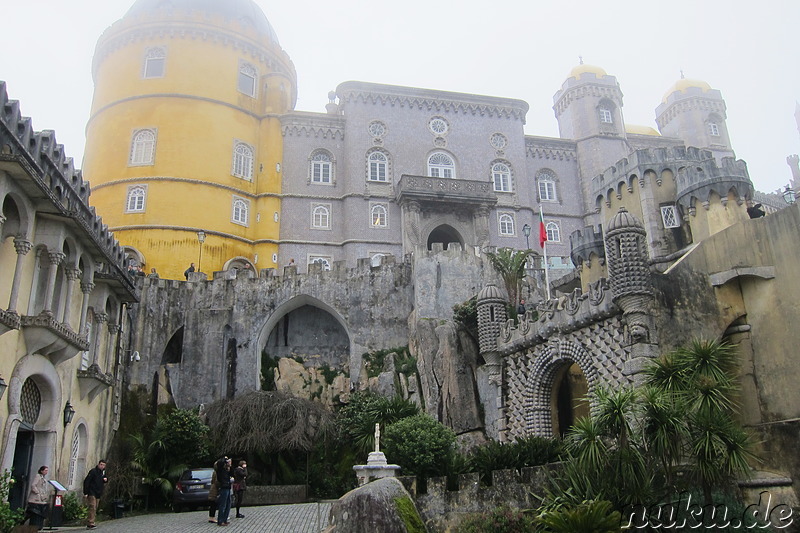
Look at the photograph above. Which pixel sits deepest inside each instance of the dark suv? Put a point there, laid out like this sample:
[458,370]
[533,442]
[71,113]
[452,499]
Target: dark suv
[192,488]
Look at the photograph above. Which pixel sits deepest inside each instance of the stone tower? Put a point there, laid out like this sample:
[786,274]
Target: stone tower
[631,285]
[185,133]
[491,317]
[694,112]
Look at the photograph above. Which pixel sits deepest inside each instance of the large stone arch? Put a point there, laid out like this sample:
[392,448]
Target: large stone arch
[445,234]
[295,303]
[538,392]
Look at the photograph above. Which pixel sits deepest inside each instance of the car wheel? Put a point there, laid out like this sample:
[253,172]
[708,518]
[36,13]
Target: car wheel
[177,508]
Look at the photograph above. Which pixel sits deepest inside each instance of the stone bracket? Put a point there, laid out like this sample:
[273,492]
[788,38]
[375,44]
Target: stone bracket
[93,381]
[45,335]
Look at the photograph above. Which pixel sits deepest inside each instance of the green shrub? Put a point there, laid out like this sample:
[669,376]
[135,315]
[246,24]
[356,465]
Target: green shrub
[8,517]
[74,510]
[466,314]
[527,451]
[420,445]
[374,360]
[593,516]
[500,520]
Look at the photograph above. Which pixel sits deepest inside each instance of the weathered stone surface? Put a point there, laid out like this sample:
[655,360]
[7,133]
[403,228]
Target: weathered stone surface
[310,383]
[374,507]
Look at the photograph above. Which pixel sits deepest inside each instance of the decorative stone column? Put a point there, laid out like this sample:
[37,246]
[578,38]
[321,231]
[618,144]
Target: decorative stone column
[22,247]
[86,288]
[480,222]
[632,287]
[73,273]
[113,331]
[100,319]
[491,318]
[411,212]
[55,259]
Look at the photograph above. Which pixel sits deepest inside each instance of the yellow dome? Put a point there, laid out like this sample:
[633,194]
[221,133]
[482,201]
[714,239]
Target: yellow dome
[685,83]
[641,130]
[580,69]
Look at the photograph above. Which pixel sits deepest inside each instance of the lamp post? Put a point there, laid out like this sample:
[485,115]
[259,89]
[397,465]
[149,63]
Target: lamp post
[69,412]
[789,196]
[526,230]
[201,236]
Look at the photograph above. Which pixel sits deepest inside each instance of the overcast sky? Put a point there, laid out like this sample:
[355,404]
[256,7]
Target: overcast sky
[519,49]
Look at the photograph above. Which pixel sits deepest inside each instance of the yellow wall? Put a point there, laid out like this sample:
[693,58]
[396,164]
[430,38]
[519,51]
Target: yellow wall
[198,114]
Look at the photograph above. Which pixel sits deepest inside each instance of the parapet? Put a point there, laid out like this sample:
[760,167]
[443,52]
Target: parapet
[584,243]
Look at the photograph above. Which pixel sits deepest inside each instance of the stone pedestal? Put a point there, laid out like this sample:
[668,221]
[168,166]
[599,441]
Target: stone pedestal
[376,468]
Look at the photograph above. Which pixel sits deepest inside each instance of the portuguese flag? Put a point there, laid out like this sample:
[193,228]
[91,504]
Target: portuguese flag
[542,230]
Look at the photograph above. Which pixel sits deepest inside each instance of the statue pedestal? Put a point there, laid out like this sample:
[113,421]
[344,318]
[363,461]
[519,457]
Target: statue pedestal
[376,468]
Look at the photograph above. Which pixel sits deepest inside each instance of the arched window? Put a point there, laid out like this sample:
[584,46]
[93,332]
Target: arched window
[240,211]
[378,216]
[501,177]
[324,262]
[247,79]
[321,217]
[604,112]
[77,457]
[136,199]
[377,163]
[506,224]
[546,182]
[242,160]
[321,168]
[376,259]
[154,60]
[143,147]
[553,233]
[440,165]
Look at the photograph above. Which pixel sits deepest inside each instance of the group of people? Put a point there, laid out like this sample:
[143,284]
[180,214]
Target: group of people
[39,495]
[227,488]
[136,270]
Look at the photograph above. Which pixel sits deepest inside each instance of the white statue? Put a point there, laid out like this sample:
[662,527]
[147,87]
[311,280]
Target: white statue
[377,437]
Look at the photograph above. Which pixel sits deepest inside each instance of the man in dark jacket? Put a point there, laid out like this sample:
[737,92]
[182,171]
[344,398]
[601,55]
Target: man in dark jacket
[93,487]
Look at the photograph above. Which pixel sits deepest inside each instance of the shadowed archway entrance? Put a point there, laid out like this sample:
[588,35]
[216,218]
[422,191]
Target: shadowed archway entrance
[444,234]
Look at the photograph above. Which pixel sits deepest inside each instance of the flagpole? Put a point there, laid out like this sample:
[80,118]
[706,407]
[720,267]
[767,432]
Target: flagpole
[546,270]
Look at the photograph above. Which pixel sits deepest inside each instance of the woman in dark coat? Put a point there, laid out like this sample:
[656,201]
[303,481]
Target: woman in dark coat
[224,480]
[239,486]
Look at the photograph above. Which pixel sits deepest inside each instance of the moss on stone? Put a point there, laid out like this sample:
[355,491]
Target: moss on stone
[409,515]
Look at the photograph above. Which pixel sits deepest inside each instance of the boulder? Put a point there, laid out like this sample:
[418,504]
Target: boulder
[383,505]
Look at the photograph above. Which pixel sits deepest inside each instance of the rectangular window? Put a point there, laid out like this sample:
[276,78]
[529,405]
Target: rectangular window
[154,62]
[713,129]
[547,191]
[669,215]
[605,116]
[247,79]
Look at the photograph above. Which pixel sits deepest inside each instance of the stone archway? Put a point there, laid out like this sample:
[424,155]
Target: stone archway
[444,234]
[557,371]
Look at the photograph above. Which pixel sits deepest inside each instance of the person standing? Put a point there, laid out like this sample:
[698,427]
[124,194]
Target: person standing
[212,497]
[38,498]
[93,487]
[188,270]
[223,469]
[239,486]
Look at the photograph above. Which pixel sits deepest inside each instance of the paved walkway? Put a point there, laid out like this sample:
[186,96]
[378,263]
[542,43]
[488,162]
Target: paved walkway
[298,518]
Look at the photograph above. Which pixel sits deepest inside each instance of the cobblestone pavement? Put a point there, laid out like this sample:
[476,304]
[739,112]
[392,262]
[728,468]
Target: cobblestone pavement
[298,518]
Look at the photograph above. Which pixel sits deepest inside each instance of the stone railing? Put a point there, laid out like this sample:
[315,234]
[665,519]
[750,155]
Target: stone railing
[443,510]
[8,321]
[561,315]
[428,188]
[47,336]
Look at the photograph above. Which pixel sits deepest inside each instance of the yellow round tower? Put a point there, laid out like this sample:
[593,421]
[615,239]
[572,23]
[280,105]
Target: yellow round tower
[184,134]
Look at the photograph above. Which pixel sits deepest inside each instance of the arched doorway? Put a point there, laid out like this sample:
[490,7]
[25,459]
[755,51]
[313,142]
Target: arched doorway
[444,234]
[570,389]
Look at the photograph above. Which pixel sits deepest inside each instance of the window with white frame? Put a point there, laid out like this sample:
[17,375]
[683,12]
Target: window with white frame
[501,177]
[669,215]
[713,129]
[553,232]
[378,164]
[137,194]
[321,260]
[242,160]
[247,79]
[154,60]
[379,216]
[546,182]
[240,211]
[321,167]
[143,147]
[321,216]
[605,115]
[506,223]
[440,165]
[375,259]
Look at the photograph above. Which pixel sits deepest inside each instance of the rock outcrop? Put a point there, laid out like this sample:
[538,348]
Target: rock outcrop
[383,505]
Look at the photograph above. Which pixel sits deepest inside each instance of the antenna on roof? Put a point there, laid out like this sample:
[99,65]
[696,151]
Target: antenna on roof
[580,58]
[682,76]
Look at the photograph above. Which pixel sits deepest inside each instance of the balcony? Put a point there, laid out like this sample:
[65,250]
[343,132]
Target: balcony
[429,189]
[8,321]
[45,335]
[93,381]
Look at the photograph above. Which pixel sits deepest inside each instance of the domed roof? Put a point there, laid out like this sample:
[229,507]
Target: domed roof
[641,130]
[243,11]
[490,292]
[623,220]
[683,84]
[582,68]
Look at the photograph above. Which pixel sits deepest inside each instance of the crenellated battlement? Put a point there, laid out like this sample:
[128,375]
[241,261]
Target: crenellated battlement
[697,182]
[558,316]
[55,174]
[584,243]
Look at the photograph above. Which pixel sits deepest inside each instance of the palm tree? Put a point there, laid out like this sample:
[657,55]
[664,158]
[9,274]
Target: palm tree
[510,264]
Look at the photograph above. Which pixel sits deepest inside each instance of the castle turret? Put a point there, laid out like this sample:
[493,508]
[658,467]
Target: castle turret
[491,317]
[185,133]
[694,112]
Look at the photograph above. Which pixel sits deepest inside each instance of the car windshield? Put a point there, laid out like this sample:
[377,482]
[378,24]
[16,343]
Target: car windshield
[204,473]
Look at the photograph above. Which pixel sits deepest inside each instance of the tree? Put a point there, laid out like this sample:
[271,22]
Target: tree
[419,444]
[510,264]
[357,419]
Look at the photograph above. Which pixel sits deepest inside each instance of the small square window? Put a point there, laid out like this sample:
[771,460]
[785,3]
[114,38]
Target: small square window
[669,215]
